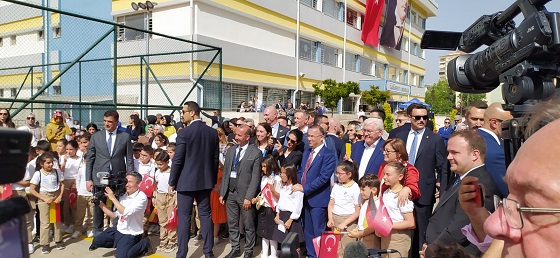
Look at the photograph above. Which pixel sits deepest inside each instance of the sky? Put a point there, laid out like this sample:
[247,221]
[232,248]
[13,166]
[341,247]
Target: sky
[458,15]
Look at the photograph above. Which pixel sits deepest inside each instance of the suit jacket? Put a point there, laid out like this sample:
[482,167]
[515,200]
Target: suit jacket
[248,173]
[337,145]
[195,164]
[431,157]
[495,161]
[376,158]
[317,188]
[293,158]
[448,217]
[393,133]
[281,134]
[98,158]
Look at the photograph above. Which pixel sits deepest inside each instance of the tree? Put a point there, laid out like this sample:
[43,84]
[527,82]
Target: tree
[374,96]
[331,92]
[388,123]
[440,97]
[465,99]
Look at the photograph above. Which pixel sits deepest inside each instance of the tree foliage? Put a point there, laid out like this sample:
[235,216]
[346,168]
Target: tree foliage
[332,91]
[388,123]
[453,114]
[374,96]
[465,99]
[440,97]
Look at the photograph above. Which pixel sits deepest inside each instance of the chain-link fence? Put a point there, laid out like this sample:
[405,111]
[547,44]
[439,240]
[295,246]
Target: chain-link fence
[53,57]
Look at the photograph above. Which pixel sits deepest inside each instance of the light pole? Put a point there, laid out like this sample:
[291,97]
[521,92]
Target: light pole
[148,6]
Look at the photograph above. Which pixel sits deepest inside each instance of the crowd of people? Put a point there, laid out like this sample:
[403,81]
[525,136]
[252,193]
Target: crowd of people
[445,191]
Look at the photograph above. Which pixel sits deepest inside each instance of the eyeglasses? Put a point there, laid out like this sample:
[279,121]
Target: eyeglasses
[292,141]
[31,118]
[185,111]
[359,136]
[512,211]
[420,117]
[389,151]
[341,174]
[3,114]
[447,122]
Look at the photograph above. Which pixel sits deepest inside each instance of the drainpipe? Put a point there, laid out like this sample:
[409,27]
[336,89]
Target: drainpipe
[297,54]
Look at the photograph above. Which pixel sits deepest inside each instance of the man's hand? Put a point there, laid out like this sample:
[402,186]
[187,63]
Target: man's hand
[109,193]
[89,186]
[246,204]
[171,190]
[423,252]
[221,200]
[297,187]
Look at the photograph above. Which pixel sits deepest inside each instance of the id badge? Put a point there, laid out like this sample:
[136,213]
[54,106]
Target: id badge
[233,174]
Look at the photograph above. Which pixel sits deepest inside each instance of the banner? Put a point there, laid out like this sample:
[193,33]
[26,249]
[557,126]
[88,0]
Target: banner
[395,19]
[372,18]
[54,212]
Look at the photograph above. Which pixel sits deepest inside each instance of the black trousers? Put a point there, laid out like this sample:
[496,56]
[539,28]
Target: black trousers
[98,213]
[128,246]
[184,208]
[423,214]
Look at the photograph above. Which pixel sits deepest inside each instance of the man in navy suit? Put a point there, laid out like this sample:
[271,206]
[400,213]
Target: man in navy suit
[332,142]
[368,154]
[314,176]
[403,124]
[491,131]
[193,175]
[426,151]
[446,130]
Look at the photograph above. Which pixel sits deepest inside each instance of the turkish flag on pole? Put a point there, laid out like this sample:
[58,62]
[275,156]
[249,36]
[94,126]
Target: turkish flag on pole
[7,191]
[371,211]
[147,185]
[382,222]
[268,196]
[329,245]
[173,220]
[370,29]
[72,197]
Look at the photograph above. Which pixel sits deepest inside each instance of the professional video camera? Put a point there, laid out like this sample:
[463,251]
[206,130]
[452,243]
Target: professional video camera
[524,59]
[14,150]
[115,182]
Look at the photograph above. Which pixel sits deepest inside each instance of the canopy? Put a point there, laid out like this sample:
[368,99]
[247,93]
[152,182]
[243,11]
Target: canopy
[413,101]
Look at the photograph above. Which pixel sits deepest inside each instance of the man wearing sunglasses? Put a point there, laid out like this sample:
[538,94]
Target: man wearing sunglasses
[426,151]
[36,131]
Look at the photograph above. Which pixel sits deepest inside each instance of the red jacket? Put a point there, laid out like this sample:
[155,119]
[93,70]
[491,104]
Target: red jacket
[411,180]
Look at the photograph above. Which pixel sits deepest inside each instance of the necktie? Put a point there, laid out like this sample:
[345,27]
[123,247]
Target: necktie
[412,155]
[236,160]
[457,181]
[110,143]
[307,165]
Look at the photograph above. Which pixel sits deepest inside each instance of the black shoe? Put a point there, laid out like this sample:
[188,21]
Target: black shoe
[36,239]
[209,256]
[241,236]
[248,255]
[91,247]
[150,249]
[233,254]
[224,236]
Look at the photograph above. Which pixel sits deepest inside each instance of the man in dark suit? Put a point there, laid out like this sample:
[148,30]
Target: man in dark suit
[368,154]
[314,176]
[110,151]
[491,131]
[426,151]
[467,152]
[193,175]
[271,117]
[403,124]
[332,142]
[240,184]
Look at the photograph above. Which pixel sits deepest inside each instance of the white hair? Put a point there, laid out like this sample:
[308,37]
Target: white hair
[375,121]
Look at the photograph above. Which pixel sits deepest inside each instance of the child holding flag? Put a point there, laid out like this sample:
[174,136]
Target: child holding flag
[51,188]
[270,188]
[369,189]
[166,203]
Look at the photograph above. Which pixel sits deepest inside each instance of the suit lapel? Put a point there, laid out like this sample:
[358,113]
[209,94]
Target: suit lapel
[447,195]
[376,152]
[423,143]
[316,157]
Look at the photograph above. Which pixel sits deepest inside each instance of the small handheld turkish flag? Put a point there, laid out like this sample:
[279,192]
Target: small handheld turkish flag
[173,221]
[7,191]
[317,244]
[147,185]
[268,196]
[382,222]
[72,197]
[329,245]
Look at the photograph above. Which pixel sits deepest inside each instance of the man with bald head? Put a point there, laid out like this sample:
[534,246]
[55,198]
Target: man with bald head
[332,139]
[271,117]
[491,131]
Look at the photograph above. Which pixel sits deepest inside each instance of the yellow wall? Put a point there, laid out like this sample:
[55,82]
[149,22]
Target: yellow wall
[123,5]
[28,23]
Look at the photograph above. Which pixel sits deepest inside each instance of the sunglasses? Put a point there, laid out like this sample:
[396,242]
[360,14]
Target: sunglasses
[448,122]
[359,136]
[31,118]
[457,121]
[3,114]
[398,120]
[420,117]
[292,141]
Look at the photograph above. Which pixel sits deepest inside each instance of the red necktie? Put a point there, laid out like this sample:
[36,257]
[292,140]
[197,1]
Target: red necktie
[307,165]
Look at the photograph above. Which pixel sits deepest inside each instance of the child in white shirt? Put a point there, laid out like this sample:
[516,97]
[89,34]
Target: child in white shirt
[369,187]
[165,203]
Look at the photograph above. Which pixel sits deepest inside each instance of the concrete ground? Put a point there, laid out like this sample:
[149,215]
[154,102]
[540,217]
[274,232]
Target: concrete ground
[79,248]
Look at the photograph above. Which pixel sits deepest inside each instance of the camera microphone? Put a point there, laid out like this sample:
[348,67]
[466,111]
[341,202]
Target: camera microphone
[356,249]
[13,208]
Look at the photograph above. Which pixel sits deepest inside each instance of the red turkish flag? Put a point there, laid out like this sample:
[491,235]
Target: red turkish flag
[371,211]
[370,29]
[268,196]
[173,220]
[317,244]
[329,245]
[147,185]
[382,222]
[72,197]
[7,191]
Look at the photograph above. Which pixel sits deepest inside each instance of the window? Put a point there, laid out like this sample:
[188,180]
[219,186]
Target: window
[56,32]
[421,82]
[392,74]
[414,49]
[40,35]
[401,76]
[13,92]
[413,17]
[330,8]
[330,56]
[351,62]
[13,40]
[1,93]
[310,3]
[352,18]
[57,90]
[1,42]
[365,66]
[422,22]
[307,50]
[405,44]
[137,21]
[380,70]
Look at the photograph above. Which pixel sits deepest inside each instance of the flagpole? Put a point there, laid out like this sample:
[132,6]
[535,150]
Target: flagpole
[297,53]
[409,50]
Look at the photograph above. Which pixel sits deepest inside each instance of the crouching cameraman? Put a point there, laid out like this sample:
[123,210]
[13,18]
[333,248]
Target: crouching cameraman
[126,237]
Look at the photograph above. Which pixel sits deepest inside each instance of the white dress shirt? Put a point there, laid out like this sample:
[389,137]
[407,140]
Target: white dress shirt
[291,201]
[491,133]
[368,152]
[113,138]
[410,139]
[130,222]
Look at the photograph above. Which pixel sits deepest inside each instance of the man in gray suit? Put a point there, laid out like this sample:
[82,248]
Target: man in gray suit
[109,150]
[240,184]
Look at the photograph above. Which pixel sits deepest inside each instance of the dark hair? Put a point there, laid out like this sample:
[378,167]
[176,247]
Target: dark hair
[41,160]
[167,120]
[162,137]
[318,119]
[64,141]
[112,113]
[158,151]
[318,128]
[171,145]
[151,119]
[162,156]
[298,134]
[363,118]
[136,176]
[369,180]
[271,165]
[137,146]
[92,125]
[379,111]
[194,107]
[86,136]
[291,173]
[73,143]
[43,145]
[446,250]
[400,168]
[354,122]
[148,149]
[399,146]
[9,122]
[136,121]
[414,106]
[474,140]
[479,104]
[267,128]
[349,167]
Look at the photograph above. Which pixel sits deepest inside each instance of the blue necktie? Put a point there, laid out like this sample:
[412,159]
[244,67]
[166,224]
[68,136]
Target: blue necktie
[412,155]
[458,180]
[110,143]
